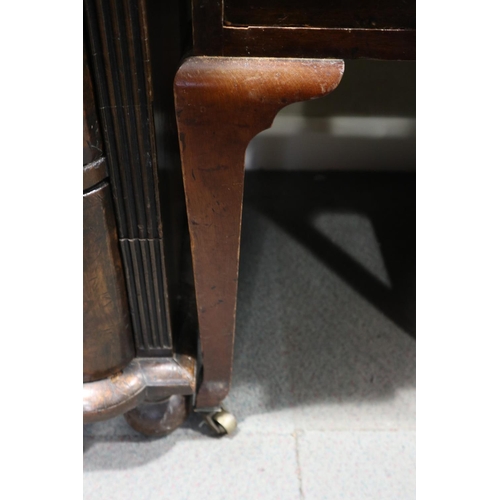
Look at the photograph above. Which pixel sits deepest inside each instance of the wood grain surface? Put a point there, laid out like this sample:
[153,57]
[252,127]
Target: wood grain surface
[117,36]
[344,29]
[388,44]
[221,104]
[107,333]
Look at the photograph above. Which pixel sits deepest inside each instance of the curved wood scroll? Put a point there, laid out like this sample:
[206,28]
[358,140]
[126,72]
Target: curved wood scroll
[221,104]
[149,380]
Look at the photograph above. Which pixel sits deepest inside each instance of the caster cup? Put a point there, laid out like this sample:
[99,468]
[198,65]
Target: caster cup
[221,421]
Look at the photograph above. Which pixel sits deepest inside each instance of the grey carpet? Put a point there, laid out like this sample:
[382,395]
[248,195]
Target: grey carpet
[324,367]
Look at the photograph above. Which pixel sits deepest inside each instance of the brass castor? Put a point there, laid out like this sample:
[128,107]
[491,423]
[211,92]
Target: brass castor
[160,418]
[221,421]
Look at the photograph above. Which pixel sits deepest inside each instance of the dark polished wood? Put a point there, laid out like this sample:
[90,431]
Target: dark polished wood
[222,103]
[319,43]
[108,344]
[92,140]
[367,14]
[169,38]
[107,334]
[119,56]
[377,29]
[143,380]
[207,26]
[94,172]
[134,50]
[116,35]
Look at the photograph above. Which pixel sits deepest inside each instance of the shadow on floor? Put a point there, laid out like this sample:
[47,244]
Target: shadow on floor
[292,200]
[326,304]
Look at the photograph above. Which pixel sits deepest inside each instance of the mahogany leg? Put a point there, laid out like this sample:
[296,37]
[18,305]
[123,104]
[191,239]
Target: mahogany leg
[221,104]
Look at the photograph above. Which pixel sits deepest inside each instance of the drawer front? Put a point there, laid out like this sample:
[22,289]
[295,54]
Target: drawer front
[355,14]
[338,29]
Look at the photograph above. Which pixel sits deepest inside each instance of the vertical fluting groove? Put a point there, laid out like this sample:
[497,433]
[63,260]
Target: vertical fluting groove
[162,280]
[141,115]
[151,325]
[142,297]
[121,42]
[132,295]
[162,294]
[129,112]
[118,36]
[156,275]
[117,113]
[96,50]
[145,79]
[144,37]
[146,266]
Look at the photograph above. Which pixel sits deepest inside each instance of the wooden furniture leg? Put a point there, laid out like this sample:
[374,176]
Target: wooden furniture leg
[221,104]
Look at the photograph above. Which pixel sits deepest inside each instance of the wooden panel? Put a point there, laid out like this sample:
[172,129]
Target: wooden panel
[319,43]
[107,333]
[379,14]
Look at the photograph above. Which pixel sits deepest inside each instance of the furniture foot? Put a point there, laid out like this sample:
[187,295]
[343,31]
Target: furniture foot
[159,419]
[220,421]
[143,380]
[221,104]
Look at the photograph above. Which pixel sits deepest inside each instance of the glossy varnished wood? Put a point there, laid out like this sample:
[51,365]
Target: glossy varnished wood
[94,172]
[367,14]
[377,29]
[119,54]
[143,380]
[389,44]
[221,104]
[107,333]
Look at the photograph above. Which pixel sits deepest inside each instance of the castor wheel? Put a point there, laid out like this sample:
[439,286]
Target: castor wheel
[160,418]
[221,421]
